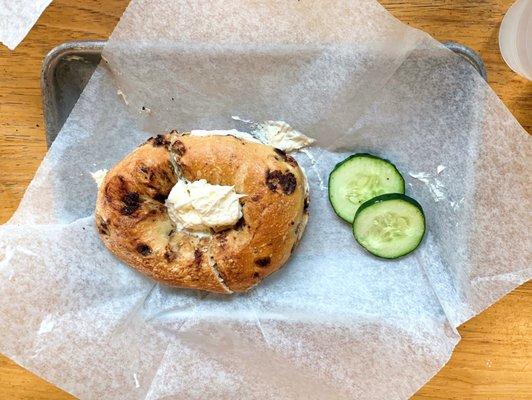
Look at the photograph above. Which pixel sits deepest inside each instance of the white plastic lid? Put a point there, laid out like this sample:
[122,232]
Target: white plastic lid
[515,38]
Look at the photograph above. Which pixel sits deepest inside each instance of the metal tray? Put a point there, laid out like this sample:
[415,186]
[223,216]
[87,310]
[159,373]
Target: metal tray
[68,67]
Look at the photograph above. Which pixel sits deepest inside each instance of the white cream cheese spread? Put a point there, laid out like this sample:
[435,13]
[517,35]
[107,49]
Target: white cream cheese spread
[282,136]
[272,133]
[229,132]
[199,206]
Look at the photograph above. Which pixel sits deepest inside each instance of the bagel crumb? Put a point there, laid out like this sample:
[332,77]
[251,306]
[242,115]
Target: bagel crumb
[263,262]
[144,249]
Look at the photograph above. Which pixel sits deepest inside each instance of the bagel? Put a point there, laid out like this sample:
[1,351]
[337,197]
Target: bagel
[133,222]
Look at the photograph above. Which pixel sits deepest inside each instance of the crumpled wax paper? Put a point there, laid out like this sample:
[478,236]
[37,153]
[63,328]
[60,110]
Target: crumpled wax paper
[17,18]
[335,323]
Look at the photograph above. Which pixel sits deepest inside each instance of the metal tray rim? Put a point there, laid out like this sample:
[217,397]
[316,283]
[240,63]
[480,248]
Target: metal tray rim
[48,89]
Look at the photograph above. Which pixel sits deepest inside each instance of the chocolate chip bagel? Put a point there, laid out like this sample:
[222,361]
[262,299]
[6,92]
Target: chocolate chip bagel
[134,224]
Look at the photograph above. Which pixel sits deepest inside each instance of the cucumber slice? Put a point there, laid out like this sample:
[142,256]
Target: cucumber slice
[357,179]
[390,225]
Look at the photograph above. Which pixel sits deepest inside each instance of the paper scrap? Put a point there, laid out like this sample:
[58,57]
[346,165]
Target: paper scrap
[435,186]
[17,17]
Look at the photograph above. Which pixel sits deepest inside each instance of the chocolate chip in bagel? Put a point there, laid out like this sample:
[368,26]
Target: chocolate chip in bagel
[263,261]
[286,181]
[144,249]
[160,197]
[131,202]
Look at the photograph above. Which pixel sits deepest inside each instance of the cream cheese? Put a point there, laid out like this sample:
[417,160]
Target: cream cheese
[229,132]
[277,134]
[282,136]
[199,206]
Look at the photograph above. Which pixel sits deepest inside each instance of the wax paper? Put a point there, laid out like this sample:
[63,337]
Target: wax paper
[335,322]
[17,18]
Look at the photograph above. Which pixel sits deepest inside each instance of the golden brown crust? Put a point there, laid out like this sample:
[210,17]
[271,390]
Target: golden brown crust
[133,222]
